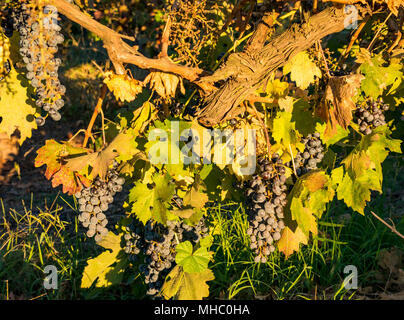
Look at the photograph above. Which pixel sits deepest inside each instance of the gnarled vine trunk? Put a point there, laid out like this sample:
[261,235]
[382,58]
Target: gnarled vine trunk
[247,70]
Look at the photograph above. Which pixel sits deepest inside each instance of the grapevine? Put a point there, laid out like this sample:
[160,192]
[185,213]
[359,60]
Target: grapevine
[200,105]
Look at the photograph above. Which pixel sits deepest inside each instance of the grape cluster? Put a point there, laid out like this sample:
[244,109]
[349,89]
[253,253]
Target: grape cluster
[157,243]
[39,39]
[266,199]
[94,201]
[7,24]
[371,116]
[312,155]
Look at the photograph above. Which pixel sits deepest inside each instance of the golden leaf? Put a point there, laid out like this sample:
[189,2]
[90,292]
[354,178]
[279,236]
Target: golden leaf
[165,84]
[123,87]
[16,110]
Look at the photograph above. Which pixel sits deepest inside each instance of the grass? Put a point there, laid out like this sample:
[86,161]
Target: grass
[35,237]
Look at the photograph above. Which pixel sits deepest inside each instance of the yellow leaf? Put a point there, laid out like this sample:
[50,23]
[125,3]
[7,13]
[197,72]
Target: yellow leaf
[123,87]
[15,108]
[290,241]
[187,286]
[4,53]
[101,160]
[100,266]
[302,70]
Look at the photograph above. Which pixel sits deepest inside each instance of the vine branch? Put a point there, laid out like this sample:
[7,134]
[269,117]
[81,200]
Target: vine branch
[391,227]
[120,52]
[97,110]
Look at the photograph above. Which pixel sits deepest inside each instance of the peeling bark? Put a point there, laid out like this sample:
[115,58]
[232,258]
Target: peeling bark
[246,71]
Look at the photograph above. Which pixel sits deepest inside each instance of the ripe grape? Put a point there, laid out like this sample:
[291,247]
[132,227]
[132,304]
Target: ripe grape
[92,206]
[266,199]
[371,115]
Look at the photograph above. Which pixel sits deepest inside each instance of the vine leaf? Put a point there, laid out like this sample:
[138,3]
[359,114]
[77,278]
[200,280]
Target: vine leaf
[302,70]
[53,155]
[152,203]
[186,286]
[362,168]
[378,78]
[14,91]
[164,83]
[308,199]
[142,117]
[285,134]
[123,145]
[196,196]
[165,149]
[107,267]
[277,89]
[338,101]
[123,87]
[291,240]
[327,136]
[192,261]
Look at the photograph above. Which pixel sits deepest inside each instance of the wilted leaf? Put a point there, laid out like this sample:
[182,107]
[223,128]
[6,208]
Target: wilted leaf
[164,83]
[53,155]
[123,145]
[123,87]
[338,102]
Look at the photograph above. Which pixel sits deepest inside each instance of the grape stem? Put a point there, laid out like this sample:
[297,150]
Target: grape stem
[97,109]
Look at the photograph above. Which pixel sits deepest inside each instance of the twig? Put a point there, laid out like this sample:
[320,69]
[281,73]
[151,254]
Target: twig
[293,160]
[353,39]
[315,5]
[391,227]
[97,109]
[320,48]
[378,31]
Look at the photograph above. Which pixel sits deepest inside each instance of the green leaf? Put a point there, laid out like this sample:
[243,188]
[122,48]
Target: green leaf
[192,261]
[165,147]
[302,70]
[151,203]
[377,77]
[284,132]
[186,286]
[308,200]
[303,118]
[102,267]
[363,170]
[334,138]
